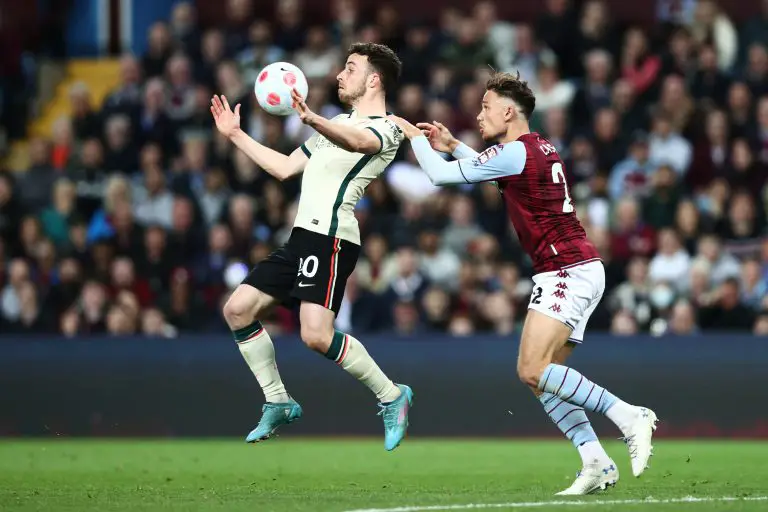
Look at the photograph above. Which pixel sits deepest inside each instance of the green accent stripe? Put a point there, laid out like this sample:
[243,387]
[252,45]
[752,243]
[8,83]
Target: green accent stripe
[245,333]
[306,150]
[337,345]
[381,139]
[343,190]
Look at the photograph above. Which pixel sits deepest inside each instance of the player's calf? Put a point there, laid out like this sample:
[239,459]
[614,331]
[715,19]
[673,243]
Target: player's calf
[256,347]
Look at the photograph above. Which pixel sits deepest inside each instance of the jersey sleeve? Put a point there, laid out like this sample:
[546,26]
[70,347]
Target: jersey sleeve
[494,163]
[309,146]
[464,151]
[389,134]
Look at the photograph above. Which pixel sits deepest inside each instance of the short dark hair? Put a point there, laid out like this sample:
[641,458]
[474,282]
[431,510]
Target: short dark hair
[510,86]
[382,59]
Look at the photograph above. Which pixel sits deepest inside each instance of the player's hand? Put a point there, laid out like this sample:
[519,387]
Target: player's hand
[305,113]
[227,122]
[440,137]
[408,129]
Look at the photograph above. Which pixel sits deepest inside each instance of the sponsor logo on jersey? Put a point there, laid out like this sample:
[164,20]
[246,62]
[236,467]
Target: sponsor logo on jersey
[487,154]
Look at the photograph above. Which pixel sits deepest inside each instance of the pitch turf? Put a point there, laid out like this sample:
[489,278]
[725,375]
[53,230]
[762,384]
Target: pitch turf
[343,475]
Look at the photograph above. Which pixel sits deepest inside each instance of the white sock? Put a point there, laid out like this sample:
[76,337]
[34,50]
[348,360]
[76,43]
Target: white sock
[592,452]
[259,352]
[622,414]
[351,355]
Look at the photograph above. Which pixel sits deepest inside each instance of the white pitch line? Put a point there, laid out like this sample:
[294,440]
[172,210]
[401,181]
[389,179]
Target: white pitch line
[560,503]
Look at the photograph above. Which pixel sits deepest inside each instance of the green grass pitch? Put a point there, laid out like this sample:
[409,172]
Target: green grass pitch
[338,475]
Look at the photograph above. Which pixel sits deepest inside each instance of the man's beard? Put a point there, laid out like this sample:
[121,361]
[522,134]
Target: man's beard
[349,97]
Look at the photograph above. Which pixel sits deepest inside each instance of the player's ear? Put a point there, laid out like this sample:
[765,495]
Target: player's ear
[509,113]
[374,79]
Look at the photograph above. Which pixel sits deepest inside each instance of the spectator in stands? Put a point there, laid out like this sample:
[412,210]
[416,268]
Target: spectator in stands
[740,115]
[639,66]
[462,227]
[319,58]
[10,213]
[669,148]
[711,152]
[682,322]
[711,23]
[126,97]
[688,224]
[594,92]
[183,28]
[633,295]
[608,141]
[709,83]
[727,312]
[57,218]
[672,263]
[85,121]
[623,324]
[158,50]
[631,237]
[18,279]
[660,206]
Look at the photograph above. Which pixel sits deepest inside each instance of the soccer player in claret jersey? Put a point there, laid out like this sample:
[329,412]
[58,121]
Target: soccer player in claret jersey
[569,279]
[311,269]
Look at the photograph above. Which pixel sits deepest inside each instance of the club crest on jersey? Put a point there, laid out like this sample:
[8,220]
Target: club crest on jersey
[487,154]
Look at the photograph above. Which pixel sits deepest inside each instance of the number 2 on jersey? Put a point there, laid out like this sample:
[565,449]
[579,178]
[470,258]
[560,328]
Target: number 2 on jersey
[558,176]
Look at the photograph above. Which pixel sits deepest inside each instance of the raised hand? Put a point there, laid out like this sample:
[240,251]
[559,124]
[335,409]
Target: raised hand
[440,138]
[305,113]
[227,122]
[409,130]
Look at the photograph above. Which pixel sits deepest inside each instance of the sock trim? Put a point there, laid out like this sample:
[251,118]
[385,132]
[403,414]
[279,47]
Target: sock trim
[573,427]
[566,414]
[246,333]
[597,407]
[565,376]
[338,348]
[344,350]
[555,407]
[588,395]
[581,379]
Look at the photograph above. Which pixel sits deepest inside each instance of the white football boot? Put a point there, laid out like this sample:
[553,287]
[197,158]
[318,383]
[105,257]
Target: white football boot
[592,478]
[638,439]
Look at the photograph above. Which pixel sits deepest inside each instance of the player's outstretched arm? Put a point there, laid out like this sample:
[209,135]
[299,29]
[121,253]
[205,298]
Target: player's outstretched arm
[275,163]
[441,139]
[506,161]
[349,138]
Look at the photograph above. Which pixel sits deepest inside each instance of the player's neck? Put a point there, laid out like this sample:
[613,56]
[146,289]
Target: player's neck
[514,132]
[366,107]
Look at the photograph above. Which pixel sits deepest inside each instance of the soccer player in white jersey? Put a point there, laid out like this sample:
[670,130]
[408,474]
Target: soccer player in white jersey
[311,269]
[569,277]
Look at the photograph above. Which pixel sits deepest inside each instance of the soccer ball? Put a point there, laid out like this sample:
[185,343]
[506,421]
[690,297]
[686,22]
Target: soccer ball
[273,87]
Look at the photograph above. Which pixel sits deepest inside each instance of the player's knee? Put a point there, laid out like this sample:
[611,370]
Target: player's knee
[315,338]
[238,313]
[528,374]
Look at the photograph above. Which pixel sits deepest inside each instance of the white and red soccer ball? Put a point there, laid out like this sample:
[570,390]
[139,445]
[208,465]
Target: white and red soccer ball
[274,84]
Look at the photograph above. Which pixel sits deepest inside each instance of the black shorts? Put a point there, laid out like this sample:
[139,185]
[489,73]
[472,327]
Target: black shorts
[311,267]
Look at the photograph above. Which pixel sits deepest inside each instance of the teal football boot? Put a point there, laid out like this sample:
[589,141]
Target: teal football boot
[273,416]
[395,415]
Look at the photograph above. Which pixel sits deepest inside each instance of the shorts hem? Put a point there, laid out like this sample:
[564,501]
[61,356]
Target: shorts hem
[553,315]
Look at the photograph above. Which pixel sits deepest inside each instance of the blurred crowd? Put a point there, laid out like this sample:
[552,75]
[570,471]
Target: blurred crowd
[137,217]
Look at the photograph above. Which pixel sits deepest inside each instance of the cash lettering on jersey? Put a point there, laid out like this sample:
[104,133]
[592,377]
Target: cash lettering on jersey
[487,154]
[397,133]
[547,148]
[323,143]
